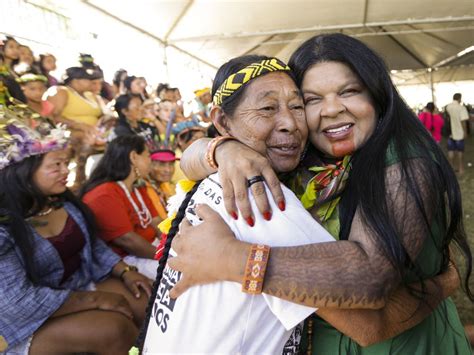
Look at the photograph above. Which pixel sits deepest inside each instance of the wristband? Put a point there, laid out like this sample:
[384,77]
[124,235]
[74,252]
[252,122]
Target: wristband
[211,149]
[255,269]
[126,269]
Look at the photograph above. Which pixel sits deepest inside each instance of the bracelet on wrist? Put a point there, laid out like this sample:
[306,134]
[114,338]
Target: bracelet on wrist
[211,149]
[255,269]
[127,269]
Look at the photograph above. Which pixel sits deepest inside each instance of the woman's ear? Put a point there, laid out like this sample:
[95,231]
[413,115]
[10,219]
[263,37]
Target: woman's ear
[133,157]
[219,119]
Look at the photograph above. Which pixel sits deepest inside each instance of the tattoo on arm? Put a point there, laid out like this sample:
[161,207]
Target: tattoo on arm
[355,273]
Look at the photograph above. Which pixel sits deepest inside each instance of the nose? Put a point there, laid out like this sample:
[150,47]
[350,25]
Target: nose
[286,121]
[331,107]
[65,168]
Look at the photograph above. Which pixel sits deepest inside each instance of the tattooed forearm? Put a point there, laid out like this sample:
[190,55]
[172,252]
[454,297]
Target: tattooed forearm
[354,273]
[326,275]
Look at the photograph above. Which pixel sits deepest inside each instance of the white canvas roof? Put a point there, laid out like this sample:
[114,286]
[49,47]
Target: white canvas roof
[410,34]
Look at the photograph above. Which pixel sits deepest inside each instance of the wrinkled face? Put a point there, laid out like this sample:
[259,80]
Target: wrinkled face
[34,90]
[26,55]
[51,176]
[164,110]
[49,63]
[162,171]
[271,120]
[11,50]
[134,111]
[142,162]
[96,86]
[339,110]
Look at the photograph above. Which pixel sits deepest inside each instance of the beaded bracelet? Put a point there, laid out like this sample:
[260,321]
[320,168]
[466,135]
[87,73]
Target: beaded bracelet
[255,269]
[211,149]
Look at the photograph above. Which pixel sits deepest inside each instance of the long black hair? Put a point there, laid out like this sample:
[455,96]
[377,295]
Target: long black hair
[399,130]
[162,263]
[115,165]
[20,199]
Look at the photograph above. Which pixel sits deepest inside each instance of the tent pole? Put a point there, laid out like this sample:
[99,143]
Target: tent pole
[430,71]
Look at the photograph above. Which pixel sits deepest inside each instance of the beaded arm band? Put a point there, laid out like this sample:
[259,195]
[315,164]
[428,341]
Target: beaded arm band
[255,269]
[211,149]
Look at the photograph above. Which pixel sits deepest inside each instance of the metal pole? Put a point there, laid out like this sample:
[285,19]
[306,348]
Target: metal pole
[430,73]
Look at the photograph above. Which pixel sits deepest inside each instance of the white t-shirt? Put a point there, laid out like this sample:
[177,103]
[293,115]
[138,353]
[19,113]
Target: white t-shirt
[457,114]
[219,317]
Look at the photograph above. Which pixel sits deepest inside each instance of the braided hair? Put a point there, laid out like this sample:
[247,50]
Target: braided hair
[161,266]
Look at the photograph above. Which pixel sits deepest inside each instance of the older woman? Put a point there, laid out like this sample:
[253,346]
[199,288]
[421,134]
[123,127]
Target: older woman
[266,115]
[62,290]
[375,179]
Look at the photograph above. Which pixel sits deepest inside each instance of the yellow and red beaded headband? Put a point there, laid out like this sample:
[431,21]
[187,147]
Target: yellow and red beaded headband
[235,81]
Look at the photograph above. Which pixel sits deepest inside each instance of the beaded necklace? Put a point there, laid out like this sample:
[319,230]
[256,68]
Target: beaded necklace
[144,214]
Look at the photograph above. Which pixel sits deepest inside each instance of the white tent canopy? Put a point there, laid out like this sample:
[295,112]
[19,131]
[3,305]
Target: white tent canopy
[410,34]
[184,41]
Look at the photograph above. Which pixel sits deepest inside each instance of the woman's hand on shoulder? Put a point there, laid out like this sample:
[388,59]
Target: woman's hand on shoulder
[237,164]
[134,281]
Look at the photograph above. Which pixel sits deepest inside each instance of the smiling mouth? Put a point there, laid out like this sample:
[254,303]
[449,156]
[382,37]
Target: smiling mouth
[286,149]
[339,129]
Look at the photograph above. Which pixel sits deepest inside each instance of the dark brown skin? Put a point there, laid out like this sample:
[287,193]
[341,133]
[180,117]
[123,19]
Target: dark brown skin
[105,321]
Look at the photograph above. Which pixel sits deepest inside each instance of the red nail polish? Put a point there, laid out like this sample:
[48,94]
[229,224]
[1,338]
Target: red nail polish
[234,215]
[250,221]
[281,205]
[267,215]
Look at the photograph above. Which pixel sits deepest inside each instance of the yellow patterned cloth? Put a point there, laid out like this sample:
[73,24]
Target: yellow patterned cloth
[235,81]
[182,188]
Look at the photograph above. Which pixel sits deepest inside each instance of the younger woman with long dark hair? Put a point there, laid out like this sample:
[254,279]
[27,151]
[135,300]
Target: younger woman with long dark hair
[62,290]
[116,193]
[377,181]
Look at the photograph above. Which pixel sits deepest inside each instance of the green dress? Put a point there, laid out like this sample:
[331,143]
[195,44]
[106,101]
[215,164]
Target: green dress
[441,333]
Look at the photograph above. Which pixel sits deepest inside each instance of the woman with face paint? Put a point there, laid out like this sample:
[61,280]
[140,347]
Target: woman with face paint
[372,176]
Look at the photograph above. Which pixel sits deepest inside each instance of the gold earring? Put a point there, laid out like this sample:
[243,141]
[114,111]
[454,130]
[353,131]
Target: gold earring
[139,182]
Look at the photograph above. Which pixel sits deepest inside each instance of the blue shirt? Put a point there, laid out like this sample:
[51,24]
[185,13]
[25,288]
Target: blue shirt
[24,307]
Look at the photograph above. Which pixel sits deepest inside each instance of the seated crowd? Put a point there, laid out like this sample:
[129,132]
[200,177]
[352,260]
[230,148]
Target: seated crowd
[117,150]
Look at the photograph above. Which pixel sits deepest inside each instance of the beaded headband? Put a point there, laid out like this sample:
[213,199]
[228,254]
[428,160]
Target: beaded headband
[24,133]
[235,81]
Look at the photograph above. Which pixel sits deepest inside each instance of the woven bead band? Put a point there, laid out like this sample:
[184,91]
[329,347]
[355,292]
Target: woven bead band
[255,269]
[211,149]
